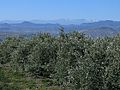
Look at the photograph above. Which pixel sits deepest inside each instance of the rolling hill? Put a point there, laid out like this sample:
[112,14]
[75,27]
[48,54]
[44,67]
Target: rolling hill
[95,29]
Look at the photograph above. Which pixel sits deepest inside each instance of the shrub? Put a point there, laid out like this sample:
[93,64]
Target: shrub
[72,60]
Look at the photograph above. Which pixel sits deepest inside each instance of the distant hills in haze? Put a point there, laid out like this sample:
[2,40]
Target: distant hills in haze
[90,28]
[58,21]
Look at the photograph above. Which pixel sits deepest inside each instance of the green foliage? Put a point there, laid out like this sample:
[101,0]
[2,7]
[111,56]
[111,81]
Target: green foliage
[69,60]
[6,47]
[43,56]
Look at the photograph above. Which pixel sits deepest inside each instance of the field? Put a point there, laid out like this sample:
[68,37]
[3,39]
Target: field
[10,80]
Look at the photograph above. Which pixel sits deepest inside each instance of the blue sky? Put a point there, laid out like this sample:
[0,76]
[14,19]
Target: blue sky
[59,9]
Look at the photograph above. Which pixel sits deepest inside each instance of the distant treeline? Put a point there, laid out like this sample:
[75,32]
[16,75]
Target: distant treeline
[72,60]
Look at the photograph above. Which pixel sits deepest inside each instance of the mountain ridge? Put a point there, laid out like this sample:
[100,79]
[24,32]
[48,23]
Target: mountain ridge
[107,27]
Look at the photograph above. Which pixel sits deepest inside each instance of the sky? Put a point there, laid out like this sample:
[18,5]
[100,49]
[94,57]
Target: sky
[59,9]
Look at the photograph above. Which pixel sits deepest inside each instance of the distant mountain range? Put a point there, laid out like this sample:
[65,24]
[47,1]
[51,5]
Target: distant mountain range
[58,21]
[94,29]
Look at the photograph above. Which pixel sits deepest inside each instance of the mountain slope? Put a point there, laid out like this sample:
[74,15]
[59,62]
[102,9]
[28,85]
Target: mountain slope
[95,29]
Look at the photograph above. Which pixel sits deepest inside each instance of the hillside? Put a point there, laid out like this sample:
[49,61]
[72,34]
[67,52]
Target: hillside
[93,29]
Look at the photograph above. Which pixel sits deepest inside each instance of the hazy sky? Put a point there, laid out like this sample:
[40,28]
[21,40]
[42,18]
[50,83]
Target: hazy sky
[58,9]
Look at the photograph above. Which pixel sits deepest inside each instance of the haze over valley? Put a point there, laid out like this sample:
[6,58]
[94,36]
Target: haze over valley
[90,28]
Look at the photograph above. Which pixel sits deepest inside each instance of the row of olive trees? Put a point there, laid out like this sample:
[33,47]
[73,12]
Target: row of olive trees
[72,59]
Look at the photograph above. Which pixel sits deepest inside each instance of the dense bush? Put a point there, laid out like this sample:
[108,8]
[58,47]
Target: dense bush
[7,47]
[73,60]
